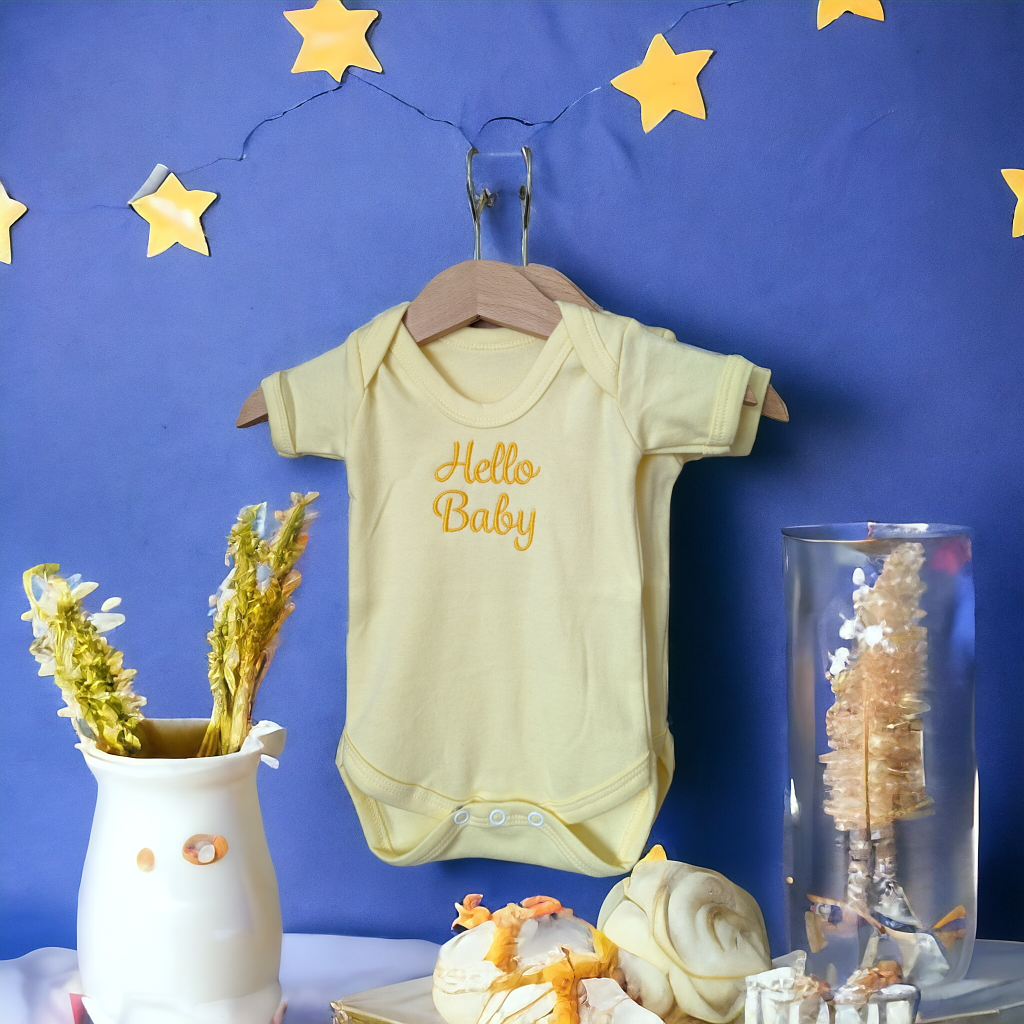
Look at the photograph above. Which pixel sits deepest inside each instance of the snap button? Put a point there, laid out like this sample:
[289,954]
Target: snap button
[535,818]
[461,817]
[497,817]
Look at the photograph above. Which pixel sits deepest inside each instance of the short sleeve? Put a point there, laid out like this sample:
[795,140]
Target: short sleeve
[311,406]
[678,398]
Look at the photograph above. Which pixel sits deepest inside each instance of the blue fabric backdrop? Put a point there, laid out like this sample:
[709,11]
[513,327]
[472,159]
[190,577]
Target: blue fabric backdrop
[839,217]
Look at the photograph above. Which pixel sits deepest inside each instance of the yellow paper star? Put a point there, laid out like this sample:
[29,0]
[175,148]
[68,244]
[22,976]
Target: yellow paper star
[333,38]
[173,213]
[829,10]
[1015,179]
[666,81]
[10,211]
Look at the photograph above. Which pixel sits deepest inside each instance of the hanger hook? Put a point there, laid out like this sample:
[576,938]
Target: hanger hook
[525,198]
[476,202]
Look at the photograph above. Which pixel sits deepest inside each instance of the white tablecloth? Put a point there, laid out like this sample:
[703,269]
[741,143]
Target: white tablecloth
[314,970]
[318,968]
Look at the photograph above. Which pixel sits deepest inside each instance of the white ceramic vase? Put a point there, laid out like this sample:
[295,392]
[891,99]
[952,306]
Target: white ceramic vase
[178,914]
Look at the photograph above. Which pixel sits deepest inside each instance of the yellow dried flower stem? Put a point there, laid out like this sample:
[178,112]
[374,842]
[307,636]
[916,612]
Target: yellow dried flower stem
[96,686]
[249,616]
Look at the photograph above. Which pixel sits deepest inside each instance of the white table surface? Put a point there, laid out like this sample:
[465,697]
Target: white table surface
[314,970]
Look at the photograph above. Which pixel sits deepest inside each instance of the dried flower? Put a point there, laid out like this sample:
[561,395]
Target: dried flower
[248,610]
[68,645]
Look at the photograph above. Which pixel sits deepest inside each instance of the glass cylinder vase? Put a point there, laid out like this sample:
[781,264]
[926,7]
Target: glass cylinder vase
[881,814]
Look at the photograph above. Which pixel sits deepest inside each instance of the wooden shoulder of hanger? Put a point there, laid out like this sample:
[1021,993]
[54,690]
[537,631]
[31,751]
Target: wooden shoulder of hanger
[474,291]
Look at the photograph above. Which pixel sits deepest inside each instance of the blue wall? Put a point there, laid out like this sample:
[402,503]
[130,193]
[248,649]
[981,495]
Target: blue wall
[839,217]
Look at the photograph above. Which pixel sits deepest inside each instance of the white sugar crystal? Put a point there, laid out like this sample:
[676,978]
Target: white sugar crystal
[873,635]
[784,995]
[839,660]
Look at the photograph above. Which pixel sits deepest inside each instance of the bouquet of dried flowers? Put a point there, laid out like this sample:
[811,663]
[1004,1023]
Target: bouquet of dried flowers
[248,609]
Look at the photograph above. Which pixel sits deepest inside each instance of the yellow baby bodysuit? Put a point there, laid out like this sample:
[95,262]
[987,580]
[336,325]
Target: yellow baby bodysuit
[508,574]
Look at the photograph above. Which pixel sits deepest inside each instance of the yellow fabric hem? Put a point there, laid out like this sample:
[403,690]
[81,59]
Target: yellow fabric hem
[549,844]
[750,415]
[277,415]
[407,825]
[729,403]
[418,799]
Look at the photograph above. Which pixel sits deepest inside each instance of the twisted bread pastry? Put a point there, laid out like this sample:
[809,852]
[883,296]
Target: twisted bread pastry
[687,938]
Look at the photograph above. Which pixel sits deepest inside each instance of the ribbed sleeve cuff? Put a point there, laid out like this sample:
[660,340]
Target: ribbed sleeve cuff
[277,412]
[728,405]
[750,415]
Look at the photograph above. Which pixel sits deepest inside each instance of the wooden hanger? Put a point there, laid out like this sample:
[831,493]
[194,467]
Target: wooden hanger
[480,290]
[474,291]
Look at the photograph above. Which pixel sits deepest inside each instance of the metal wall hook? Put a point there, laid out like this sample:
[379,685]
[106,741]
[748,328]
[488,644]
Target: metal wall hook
[525,198]
[476,202]
[486,198]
